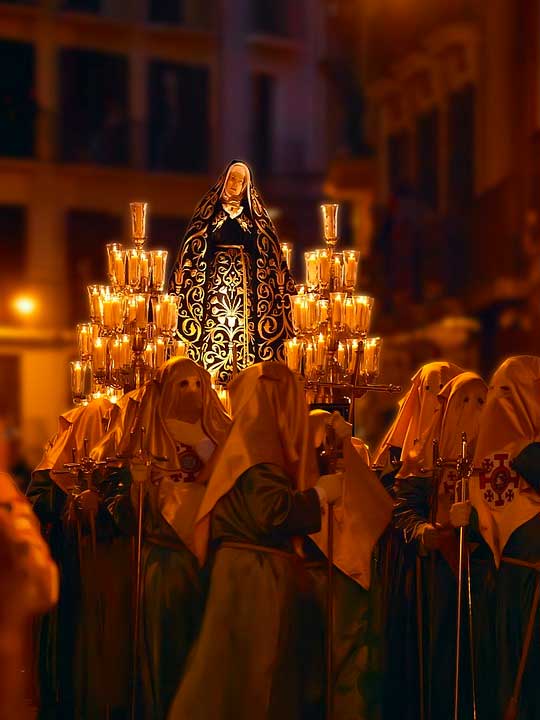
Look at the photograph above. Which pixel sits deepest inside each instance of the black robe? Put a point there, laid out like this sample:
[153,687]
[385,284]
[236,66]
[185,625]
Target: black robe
[233,285]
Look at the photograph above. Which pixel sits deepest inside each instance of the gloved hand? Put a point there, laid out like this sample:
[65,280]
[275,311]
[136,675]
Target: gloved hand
[432,536]
[332,486]
[88,502]
[342,428]
[460,514]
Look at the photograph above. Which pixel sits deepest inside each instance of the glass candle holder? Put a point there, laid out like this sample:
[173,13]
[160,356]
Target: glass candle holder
[371,358]
[99,355]
[144,270]
[165,312]
[116,264]
[81,378]
[158,264]
[95,295]
[312,269]
[336,270]
[85,340]
[351,259]
[133,264]
[293,354]
[286,250]
[363,309]
[337,300]
[324,265]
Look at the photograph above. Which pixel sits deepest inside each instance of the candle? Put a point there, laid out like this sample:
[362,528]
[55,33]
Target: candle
[286,249]
[350,271]
[372,354]
[312,312]
[337,309]
[352,349]
[113,249]
[144,268]
[120,268]
[116,353]
[84,339]
[349,313]
[76,379]
[149,355]
[292,349]
[363,305]
[341,355]
[100,354]
[309,358]
[94,296]
[324,267]
[180,348]
[337,271]
[320,350]
[158,260]
[297,303]
[107,311]
[126,350]
[312,269]
[141,312]
[116,311]
[133,267]
[160,351]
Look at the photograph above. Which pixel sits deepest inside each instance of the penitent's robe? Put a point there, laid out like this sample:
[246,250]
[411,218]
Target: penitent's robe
[171,603]
[84,644]
[439,608]
[514,591]
[247,661]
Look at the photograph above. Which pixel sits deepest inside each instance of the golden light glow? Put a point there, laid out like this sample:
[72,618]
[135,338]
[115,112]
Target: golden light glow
[24,305]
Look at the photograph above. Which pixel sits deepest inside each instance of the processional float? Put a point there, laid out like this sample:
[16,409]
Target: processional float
[132,331]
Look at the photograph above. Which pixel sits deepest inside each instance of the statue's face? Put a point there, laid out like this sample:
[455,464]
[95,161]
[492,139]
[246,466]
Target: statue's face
[236,182]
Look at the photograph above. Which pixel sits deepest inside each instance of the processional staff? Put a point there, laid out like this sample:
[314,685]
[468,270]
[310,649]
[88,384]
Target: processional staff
[145,458]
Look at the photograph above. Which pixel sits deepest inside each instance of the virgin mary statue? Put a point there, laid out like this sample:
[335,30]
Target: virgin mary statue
[232,279]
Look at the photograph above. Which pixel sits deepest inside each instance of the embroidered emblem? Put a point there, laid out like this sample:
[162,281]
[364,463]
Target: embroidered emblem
[498,483]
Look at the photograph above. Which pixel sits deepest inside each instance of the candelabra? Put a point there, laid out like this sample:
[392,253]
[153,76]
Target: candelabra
[331,347]
[132,321]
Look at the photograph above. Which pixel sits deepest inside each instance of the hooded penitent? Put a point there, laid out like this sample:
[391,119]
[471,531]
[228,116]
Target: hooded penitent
[461,402]
[82,423]
[184,421]
[416,410]
[360,515]
[270,425]
[510,422]
[233,283]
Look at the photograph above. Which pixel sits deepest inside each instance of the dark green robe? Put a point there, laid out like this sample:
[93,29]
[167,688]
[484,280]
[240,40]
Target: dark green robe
[246,663]
[83,644]
[439,605]
[171,604]
[351,637]
[515,589]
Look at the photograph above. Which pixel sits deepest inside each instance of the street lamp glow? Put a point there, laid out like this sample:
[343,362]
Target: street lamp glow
[24,305]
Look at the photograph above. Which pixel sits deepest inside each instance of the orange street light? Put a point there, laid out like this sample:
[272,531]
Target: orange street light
[24,305]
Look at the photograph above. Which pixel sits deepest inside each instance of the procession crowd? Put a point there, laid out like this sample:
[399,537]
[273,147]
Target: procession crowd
[182,560]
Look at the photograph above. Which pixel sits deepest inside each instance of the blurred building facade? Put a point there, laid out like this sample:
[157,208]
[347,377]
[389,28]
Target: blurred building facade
[440,158]
[107,101]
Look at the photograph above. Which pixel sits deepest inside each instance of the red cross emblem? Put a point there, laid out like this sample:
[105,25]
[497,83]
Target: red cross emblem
[497,482]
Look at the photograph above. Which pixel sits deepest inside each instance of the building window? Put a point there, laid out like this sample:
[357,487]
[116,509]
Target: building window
[262,131]
[13,232]
[94,107]
[178,117]
[399,161]
[461,141]
[189,13]
[86,256]
[427,158]
[270,17]
[17,102]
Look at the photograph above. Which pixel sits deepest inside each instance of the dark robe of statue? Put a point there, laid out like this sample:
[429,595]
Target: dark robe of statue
[232,279]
